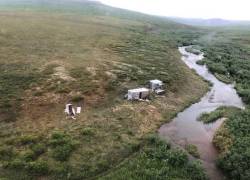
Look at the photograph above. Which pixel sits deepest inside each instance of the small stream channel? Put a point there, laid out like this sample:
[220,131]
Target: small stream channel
[185,129]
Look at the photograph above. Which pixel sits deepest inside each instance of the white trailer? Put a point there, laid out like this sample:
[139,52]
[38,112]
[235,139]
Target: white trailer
[139,93]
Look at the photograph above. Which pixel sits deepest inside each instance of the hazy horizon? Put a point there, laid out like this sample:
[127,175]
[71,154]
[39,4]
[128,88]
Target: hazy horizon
[197,9]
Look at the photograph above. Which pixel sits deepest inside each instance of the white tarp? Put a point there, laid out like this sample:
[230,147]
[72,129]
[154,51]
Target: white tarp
[78,110]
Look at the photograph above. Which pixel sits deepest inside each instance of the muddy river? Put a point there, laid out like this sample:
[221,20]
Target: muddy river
[185,129]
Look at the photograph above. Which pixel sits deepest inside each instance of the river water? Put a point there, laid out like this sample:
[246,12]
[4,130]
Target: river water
[185,129]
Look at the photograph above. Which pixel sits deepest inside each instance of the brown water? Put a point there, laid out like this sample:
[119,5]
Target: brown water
[185,129]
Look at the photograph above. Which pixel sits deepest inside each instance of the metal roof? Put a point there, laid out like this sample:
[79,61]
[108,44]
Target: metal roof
[156,81]
[138,90]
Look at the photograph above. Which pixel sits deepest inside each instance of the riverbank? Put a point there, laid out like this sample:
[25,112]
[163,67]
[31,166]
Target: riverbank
[185,129]
[227,54]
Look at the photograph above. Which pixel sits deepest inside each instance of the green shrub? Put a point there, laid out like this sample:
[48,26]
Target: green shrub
[62,152]
[217,68]
[6,152]
[200,62]
[37,167]
[62,146]
[235,160]
[157,161]
[177,158]
[61,170]
[38,149]
[77,98]
[153,139]
[133,147]
[192,50]
[88,131]
[28,155]
[16,164]
[196,171]
[211,117]
[222,139]
[58,138]
[103,165]
[49,69]
[193,150]
[28,139]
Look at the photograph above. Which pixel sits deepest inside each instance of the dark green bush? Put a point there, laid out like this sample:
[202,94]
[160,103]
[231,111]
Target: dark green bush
[211,117]
[6,152]
[62,146]
[39,149]
[236,161]
[16,164]
[28,139]
[177,158]
[37,167]
[62,152]
[88,131]
[196,170]
[200,62]
[157,161]
[28,155]
[77,98]
[61,170]
[193,150]
[58,138]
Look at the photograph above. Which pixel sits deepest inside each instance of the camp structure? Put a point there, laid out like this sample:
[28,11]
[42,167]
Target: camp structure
[137,94]
[70,111]
[157,86]
[78,109]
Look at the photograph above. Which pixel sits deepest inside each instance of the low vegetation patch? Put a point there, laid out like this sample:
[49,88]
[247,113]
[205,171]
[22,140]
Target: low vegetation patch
[158,161]
[193,150]
[62,146]
[192,50]
[217,114]
[211,117]
[234,159]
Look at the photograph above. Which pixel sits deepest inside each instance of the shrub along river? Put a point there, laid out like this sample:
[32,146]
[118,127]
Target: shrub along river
[186,129]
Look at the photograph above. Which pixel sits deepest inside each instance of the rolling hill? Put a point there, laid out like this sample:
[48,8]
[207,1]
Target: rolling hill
[55,52]
[216,22]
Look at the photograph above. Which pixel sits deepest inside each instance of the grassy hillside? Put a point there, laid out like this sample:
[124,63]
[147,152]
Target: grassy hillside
[54,52]
[227,52]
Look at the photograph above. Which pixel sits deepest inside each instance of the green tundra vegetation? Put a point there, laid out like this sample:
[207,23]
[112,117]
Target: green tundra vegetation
[54,52]
[221,112]
[227,55]
[232,140]
[157,160]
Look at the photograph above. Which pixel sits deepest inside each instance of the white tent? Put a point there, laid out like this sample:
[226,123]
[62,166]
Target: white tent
[78,109]
[70,110]
[139,93]
[155,84]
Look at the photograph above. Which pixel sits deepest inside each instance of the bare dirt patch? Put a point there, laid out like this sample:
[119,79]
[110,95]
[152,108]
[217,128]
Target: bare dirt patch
[62,73]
